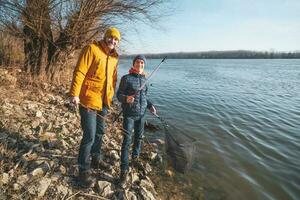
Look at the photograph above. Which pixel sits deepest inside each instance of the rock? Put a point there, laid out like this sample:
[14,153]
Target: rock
[47,136]
[63,190]
[159,159]
[39,114]
[114,155]
[62,169]
[130,195]
[153,155]
[64,144]
[35,123]
[16,186]
[148,168]
[105,188]
[169,173]
[21,182]
[135,177]
[40,188]
[38,172]
[159,142]
[146,194]
[148,184]
[4,179]
[56,176]
[72,141]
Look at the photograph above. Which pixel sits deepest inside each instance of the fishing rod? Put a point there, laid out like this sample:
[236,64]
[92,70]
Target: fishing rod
[142,86]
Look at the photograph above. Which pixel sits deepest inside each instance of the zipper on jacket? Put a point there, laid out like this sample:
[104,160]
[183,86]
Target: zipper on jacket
[106,73]
[140,95]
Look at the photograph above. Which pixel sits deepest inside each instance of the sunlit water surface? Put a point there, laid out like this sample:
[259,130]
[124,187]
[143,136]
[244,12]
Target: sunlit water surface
[245,116]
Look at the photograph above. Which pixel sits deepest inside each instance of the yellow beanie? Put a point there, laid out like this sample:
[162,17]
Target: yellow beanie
[113,32]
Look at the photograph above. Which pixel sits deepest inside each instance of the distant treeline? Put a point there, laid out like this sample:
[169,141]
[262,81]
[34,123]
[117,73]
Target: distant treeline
[239,54]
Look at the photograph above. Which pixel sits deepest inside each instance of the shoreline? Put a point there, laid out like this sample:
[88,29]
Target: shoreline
[40,137]
[39,144]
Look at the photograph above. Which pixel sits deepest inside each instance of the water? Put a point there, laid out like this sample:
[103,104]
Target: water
[245,115]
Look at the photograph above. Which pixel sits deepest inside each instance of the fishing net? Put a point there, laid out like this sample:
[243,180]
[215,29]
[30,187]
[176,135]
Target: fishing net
[179,154]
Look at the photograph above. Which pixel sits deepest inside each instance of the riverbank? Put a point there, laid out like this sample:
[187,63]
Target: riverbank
[40,137]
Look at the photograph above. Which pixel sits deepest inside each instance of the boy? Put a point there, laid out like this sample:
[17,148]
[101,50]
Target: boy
[134,104]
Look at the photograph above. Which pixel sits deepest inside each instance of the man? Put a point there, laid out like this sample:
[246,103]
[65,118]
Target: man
[93,86]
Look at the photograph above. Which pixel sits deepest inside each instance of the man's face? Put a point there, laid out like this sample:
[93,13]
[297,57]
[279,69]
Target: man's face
[111,42]
[139,65]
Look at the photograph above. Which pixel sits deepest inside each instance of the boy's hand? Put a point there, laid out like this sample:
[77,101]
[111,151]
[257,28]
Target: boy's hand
[153,110]
[130,99]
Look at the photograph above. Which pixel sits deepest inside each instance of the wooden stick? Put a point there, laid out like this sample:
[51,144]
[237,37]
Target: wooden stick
[73,195]
[91,195]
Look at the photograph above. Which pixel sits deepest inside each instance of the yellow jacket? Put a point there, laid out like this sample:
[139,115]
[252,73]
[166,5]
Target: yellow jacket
[95,76]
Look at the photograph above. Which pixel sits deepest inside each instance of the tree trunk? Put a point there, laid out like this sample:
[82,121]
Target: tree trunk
[38,36]
[35,49]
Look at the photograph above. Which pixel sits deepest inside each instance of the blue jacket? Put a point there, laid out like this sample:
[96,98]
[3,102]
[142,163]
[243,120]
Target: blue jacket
[129,85]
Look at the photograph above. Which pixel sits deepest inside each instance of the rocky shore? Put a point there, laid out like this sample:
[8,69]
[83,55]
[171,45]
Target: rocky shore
[39,141]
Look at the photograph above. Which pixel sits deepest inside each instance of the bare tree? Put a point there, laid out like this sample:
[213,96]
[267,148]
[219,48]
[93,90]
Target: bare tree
[52,29]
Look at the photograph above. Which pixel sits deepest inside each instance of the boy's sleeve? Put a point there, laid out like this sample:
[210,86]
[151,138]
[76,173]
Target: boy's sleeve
[121,91]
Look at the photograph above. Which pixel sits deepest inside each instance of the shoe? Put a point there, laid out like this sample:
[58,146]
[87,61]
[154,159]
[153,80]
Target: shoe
[100,164]
[85,179]
[123,178]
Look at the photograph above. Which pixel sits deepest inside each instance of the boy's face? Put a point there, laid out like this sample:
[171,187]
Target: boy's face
[139,65]
[111,42]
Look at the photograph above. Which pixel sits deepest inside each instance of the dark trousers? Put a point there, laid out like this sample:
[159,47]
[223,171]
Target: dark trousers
[93,129]
[129,124]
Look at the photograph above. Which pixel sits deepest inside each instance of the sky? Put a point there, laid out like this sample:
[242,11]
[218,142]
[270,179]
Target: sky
[204,25]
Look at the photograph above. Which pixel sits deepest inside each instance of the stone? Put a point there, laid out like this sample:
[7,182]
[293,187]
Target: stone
[105,188]
[159,141]
[153,155]
[40,188]
[38,172]
[114,155]
[135,177]
[146,194]
[169,173]
[4,179]
[61,189]
[39,114]
[159,159]
[21,182]
[148,168]
[35,123]
[62,169]
[47,136]
[130,195]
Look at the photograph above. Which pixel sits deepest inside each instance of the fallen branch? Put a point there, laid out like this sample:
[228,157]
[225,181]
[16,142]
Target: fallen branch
[91,195]
[73,195]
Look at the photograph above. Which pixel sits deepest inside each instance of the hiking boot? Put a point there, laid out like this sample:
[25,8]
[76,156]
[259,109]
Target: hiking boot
[85,179]
[123,178]
[100,164]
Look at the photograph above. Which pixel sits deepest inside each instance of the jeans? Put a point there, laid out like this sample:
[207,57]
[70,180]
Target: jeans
[129,124]
[93,129]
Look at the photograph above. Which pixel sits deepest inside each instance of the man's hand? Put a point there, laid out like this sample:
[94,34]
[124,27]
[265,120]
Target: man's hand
[130,99]
[74,100]
[153,110]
